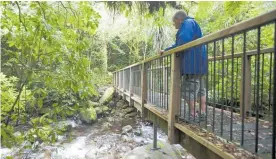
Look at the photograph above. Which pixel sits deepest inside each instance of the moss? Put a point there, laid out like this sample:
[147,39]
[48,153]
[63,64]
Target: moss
[88,115]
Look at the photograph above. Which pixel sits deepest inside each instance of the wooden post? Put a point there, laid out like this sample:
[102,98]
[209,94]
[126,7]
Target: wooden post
[247,86]
[124,75]
[144,91]
[174,103]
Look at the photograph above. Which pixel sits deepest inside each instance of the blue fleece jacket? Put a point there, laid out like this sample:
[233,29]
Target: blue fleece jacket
[193,60]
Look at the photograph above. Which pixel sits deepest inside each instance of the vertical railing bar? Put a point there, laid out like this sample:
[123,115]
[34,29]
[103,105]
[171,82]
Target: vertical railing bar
[189,101]
[157,82]
[151,76]
[221,130]
[269,92]
[207,85]
[160,100]
[257,103]
[195,95]
[201,47]
[154,83]
[181,96]
[262,109]
[255,79]
[167,83]
[161,93]
[243,88]
[162,83]
[170,72]
[237,81]
[274,99]
[227,75]
[232,88]
[214,93]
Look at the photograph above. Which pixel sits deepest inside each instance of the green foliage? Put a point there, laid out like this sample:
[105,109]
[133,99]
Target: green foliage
[47,47]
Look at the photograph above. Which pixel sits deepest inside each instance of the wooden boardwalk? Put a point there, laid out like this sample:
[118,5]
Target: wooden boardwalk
[222,125]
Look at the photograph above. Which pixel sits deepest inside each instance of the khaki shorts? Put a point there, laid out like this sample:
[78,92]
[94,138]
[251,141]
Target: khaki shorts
[193,86]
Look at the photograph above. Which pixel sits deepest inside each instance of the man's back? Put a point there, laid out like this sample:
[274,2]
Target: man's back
[194,60]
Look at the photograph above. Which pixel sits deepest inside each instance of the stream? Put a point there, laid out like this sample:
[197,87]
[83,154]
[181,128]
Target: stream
[103,139]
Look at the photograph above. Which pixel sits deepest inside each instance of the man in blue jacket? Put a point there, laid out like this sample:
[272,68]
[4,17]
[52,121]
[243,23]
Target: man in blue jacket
[193,62]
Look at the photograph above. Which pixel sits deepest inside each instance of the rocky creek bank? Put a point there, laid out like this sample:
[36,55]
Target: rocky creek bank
[111,130]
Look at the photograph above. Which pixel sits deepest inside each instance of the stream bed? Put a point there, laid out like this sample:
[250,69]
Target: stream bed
[103,139]
[109,137]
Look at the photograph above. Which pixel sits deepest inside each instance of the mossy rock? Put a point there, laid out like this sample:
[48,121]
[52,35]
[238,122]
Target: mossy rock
[107,96]
[93,104]
[101,109]
[98,110]
[88,115]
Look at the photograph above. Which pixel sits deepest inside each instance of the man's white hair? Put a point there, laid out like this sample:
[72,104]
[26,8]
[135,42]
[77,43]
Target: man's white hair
[179,15]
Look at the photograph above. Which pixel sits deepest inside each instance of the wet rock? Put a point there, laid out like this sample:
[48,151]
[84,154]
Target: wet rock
[101,90]
[112,111]
[125,138]
[166,152]
[127,129]
[125,148]
[88,115]
[106,126]
[131,115]
[110,119]
[121,114]
[47,154]
[111,104]
[92,153]
[120,103]
[107,96]
[129,109]
[125,106]
[138,132]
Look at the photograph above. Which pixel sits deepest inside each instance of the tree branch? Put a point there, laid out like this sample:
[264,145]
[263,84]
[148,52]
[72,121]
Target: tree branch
[42,10]
[20,20]
[16,100]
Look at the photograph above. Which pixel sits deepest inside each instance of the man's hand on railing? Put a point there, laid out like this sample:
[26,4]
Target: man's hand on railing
[161,52]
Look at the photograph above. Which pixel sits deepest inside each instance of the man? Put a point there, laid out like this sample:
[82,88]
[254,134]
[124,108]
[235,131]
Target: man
[193,62]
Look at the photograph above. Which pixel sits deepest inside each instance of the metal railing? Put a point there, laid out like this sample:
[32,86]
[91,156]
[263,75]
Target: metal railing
[234,99]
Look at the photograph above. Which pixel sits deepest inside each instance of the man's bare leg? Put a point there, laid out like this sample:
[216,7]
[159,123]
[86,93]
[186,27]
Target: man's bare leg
[203,104]
[192,106]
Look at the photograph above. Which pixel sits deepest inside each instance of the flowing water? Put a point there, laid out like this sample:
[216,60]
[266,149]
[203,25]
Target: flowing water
[102,139]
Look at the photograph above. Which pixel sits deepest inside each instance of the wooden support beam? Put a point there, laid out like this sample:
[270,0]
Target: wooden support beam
[174,103]
[143,88]
[245,85]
